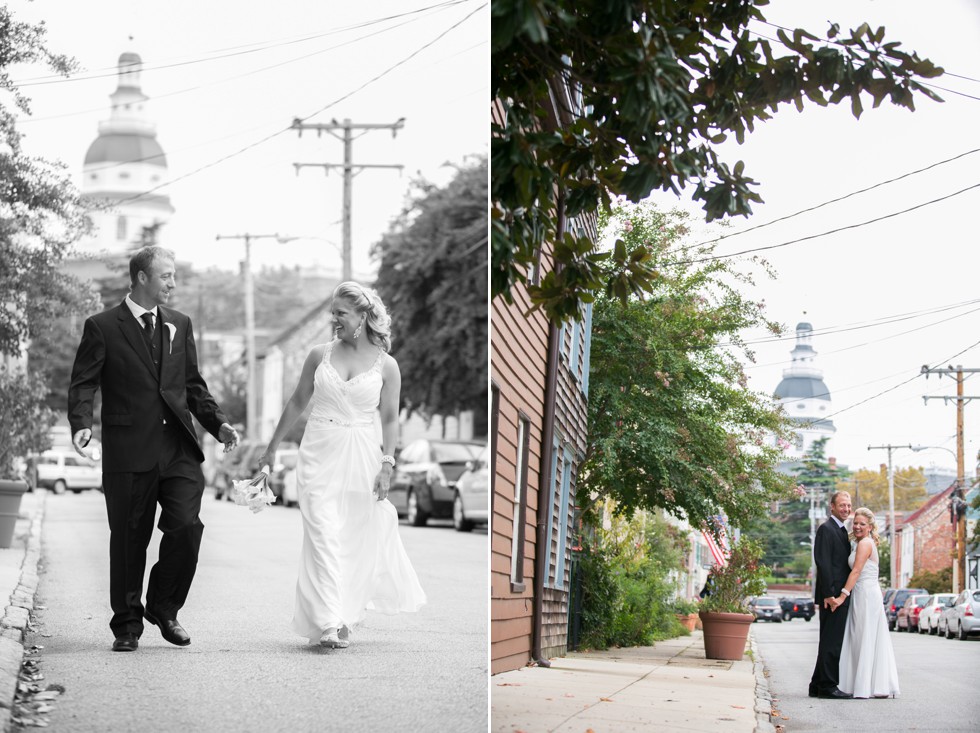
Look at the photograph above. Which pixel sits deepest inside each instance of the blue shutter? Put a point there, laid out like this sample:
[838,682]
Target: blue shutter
[566,482]
[550,506]
[573,358]
[586,349]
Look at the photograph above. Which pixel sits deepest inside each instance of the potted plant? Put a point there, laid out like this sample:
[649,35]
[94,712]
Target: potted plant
[725,614]
[686,612]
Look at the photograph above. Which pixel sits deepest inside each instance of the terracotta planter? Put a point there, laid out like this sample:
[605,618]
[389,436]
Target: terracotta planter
[10,495]
[725,634]
[688,621]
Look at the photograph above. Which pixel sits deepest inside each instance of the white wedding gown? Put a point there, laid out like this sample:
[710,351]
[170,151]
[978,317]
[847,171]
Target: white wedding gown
[352,557]
[867,662]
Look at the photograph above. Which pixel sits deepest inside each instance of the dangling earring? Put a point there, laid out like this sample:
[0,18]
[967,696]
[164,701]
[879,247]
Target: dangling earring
[357,331]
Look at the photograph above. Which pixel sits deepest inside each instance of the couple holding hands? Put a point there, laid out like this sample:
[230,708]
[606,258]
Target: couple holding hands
[855,657]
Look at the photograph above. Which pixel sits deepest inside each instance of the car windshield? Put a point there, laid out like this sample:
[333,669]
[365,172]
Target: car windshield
[453,452]
[765,602]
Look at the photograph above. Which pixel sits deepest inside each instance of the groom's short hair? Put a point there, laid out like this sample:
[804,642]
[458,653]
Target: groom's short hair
[143,259]
[833,497]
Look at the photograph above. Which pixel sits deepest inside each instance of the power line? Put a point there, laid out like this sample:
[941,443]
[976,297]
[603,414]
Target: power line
[232,52]
[900,384]
[829,231]
[307,117]
[831,201]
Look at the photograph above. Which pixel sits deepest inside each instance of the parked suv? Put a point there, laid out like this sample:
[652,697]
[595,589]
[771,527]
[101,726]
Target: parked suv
[796,608]
[61,470]
[897,601]
[766,609]
[426,472]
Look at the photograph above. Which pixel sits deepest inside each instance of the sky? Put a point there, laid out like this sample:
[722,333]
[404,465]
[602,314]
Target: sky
[884,298]
[222,77]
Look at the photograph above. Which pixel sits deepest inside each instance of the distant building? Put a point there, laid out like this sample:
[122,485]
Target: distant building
[122,167]
[804,396]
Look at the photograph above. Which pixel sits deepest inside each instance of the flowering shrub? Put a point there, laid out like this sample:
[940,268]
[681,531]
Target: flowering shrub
[730,587]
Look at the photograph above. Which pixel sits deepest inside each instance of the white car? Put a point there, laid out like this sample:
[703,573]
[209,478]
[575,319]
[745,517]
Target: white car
[60,470]
[929,616]
[470,504]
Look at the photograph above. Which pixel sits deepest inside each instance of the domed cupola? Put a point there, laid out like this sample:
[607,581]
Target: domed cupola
[803,394]
[123,163]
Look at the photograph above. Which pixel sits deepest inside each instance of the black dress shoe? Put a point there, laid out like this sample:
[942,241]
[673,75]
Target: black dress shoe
[125,643]
[835,694]
[170,629]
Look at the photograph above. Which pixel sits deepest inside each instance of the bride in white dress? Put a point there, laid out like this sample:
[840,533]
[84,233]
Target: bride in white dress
[352,557]
[867,662]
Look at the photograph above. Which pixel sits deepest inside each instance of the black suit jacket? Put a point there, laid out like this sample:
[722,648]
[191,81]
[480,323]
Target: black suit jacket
[831,549]
[113,356]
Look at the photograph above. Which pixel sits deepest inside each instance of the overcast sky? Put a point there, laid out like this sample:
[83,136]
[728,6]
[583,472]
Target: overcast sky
[914,265]
[222,76]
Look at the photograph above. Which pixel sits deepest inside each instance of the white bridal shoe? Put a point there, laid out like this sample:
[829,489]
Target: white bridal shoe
[331,640]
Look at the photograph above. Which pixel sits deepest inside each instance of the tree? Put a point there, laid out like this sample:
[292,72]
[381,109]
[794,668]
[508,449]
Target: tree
[870,488]
[40,213]
[672,422]
[24,419]
[433,278]
[655,87]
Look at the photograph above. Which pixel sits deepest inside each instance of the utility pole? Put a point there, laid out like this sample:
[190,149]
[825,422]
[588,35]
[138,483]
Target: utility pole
[958,512]
[893,581]
[251,409]
[350,168]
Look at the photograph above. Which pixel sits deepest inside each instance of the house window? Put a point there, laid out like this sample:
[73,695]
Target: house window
[494,420]
[520,506]
[586,350]
[121,228]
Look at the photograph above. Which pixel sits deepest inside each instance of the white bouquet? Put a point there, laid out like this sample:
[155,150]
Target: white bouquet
[254,494]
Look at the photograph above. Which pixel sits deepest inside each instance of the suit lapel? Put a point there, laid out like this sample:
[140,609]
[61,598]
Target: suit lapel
[131,330]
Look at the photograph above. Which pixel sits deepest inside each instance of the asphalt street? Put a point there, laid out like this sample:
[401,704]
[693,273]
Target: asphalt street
[938,680]
[245,669]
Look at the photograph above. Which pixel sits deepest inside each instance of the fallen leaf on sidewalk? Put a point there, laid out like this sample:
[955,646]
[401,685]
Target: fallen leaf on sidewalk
[606,699]
[568,695]
[739,707]
[510,684]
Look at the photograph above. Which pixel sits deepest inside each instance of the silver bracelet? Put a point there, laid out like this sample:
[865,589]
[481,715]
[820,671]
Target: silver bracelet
[390,460]
[845,591]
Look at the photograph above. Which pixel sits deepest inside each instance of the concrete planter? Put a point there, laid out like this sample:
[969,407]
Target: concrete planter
[10,496]
[725,634]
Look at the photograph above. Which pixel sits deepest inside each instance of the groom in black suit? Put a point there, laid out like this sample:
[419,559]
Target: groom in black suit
[831,549]
[143,357]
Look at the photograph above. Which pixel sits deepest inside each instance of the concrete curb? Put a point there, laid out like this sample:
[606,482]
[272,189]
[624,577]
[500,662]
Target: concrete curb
[763,696]
[17,614]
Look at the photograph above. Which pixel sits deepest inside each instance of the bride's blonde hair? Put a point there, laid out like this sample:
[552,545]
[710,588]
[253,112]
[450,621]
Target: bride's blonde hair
[366,300]
[872,525]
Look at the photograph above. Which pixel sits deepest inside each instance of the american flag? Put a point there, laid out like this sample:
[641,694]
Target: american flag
[716,551]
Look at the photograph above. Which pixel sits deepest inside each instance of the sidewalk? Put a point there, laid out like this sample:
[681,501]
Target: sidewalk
[18,584]
[666,687]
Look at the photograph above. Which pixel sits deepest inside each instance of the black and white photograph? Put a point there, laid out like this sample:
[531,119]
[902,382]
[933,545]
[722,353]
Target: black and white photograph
[244,366]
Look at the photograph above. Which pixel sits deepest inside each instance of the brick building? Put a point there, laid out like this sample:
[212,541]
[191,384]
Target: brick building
[925,539]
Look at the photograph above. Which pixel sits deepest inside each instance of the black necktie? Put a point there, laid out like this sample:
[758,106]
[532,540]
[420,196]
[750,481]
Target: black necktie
[148,324]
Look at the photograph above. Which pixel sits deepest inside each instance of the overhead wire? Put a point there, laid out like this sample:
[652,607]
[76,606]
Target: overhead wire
[232,51]
[327,106]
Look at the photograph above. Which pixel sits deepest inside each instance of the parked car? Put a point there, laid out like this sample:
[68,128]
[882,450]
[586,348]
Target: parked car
[897,601]
[797,608]
[907,618]
[934,605]
[942,626]
[61,470]
[766,609]
[963,617]
[470,505]
[424,483]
